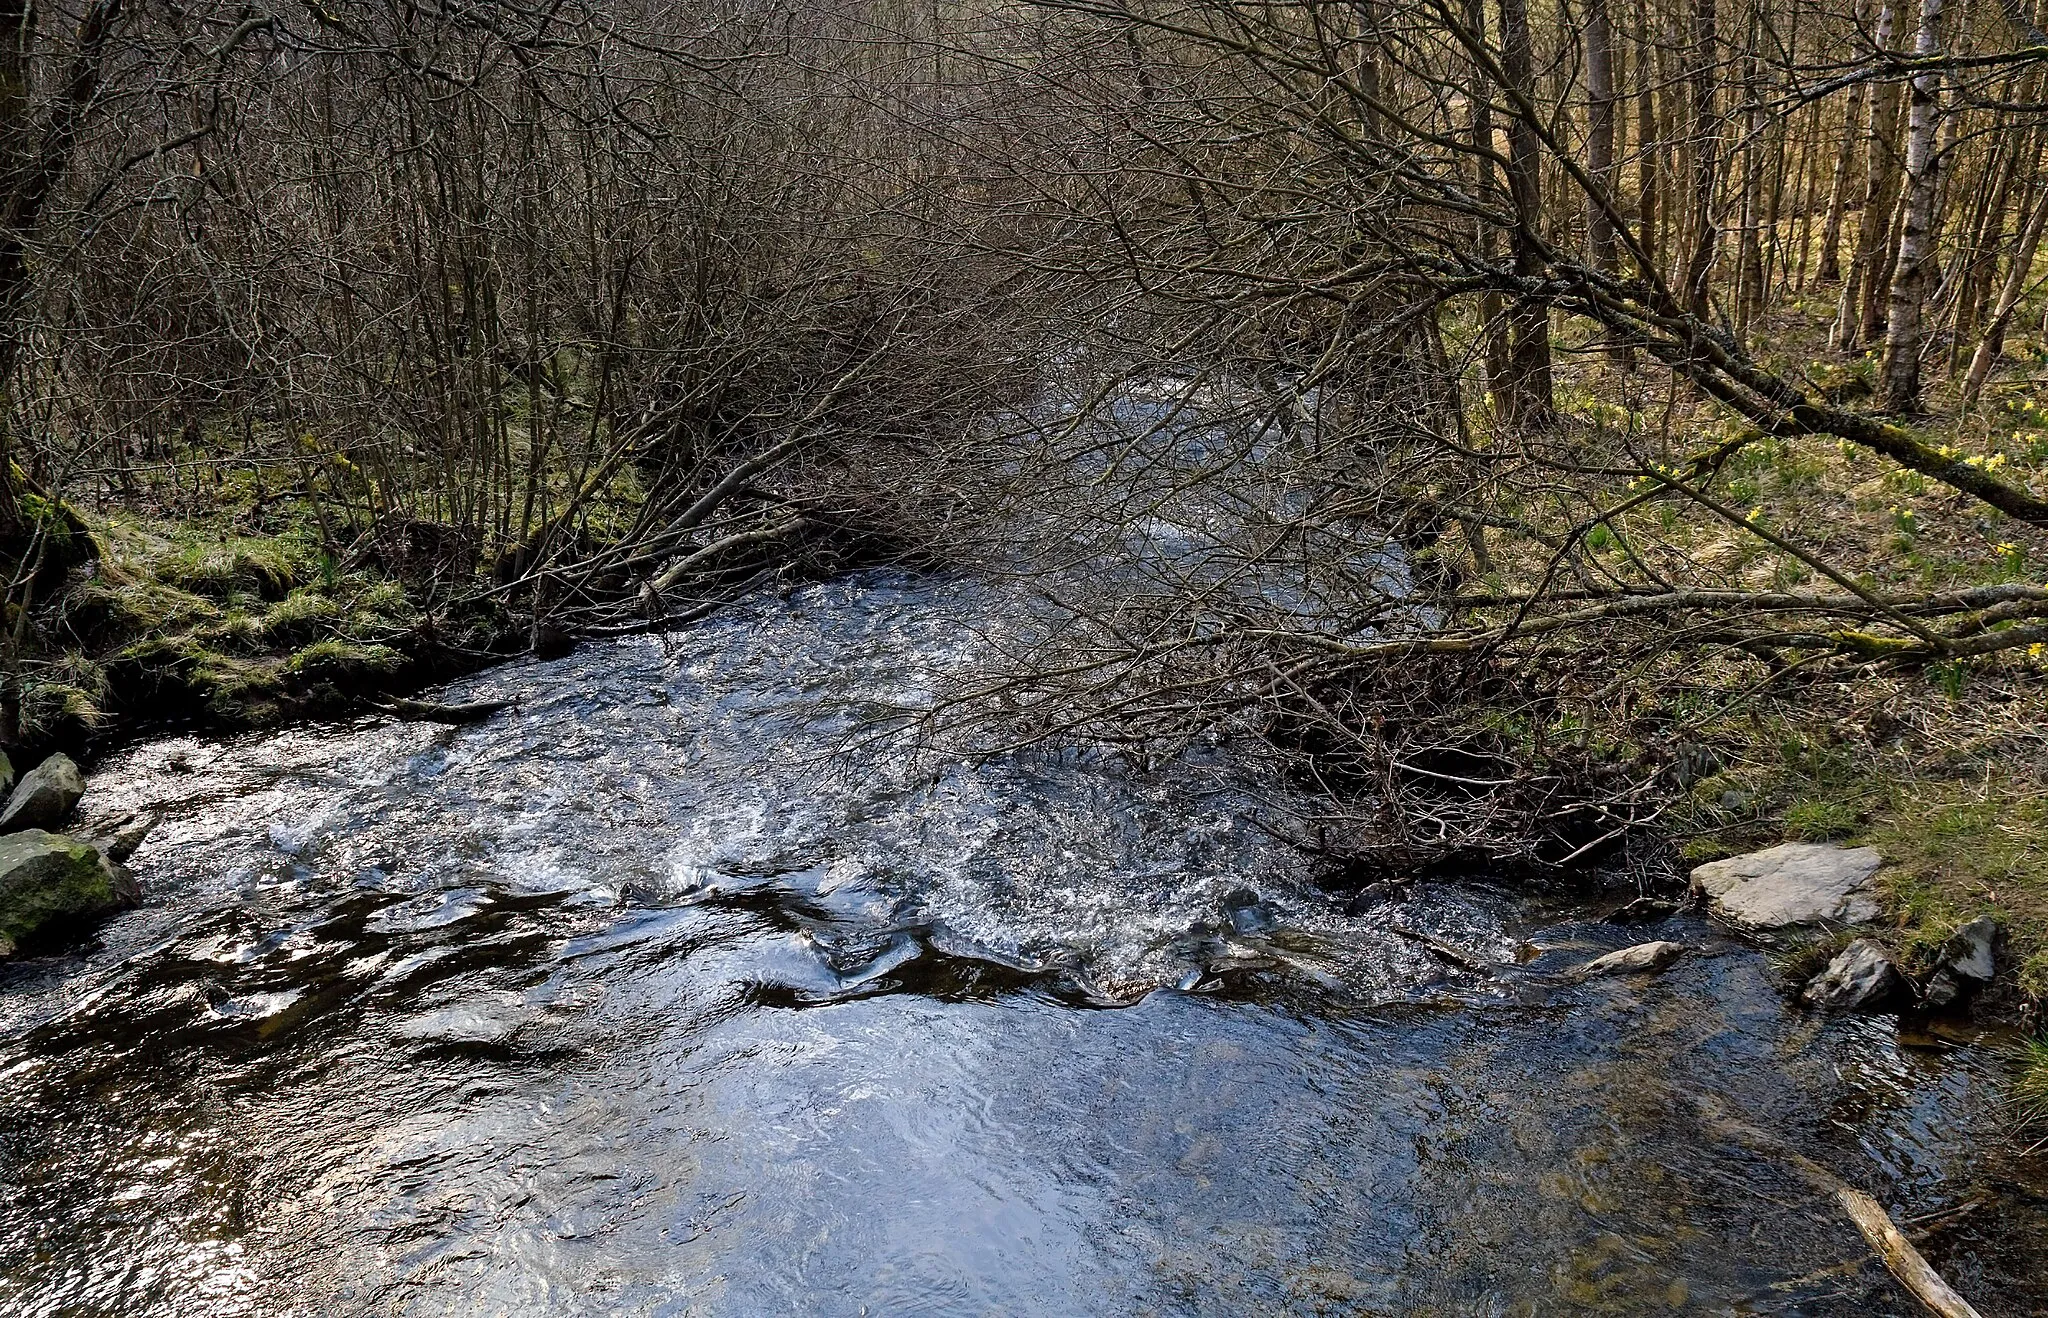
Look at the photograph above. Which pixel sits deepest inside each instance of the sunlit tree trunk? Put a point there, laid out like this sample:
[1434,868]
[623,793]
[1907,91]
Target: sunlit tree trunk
[1993,342]
[1600,129]
[1706,150]
[1838,188]
[1916,260]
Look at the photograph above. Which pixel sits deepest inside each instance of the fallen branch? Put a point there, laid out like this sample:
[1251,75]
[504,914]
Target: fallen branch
[1885,1239]
[1451,954]
[1900,1257]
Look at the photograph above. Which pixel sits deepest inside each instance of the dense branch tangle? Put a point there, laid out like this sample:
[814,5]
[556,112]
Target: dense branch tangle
[1505,295]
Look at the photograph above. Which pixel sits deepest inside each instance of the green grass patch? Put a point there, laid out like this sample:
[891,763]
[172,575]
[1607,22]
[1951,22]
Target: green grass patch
[2029,1095]
[1959,850]
[337,659]
[1822,821]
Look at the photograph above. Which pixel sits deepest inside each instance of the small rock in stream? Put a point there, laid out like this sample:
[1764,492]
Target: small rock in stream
[1246,914]
[45,796]
[1642,959]
[125,840]
[1969,961]
[1797,883]
[1862,977]
[1642,910]
[49,880]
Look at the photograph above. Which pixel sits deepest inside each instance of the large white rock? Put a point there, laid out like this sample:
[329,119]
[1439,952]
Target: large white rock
[1797,883]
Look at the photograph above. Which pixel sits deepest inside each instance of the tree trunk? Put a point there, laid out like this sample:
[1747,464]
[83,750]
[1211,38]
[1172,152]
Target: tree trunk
[1706,143]
[1871,224]
[1600,130]
[1491,326]
[1530,391]
[1838,189]
[1993,343]
[1647,145]
[1916,258]
[17,148]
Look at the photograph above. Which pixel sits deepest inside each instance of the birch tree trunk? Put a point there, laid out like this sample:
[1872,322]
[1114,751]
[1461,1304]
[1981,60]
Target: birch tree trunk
[1916,260]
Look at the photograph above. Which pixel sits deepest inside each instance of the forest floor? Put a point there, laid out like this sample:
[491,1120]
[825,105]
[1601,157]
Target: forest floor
[1943,768]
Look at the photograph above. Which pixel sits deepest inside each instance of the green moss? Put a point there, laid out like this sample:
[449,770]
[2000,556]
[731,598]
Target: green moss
[335,658]
[46,878]
[300,616]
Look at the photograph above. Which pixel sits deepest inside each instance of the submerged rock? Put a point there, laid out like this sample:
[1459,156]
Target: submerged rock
[1969,961]
[1642,959]
[118,839]
[47,879]
[1246,913]
[489,1021]
[45,797]
[1862,977]
[1797,883]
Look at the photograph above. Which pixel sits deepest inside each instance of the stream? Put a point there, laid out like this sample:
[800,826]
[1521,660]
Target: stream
[690,986]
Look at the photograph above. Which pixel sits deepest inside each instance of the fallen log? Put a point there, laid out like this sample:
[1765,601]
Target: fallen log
[1885,1239]
[1900,1257]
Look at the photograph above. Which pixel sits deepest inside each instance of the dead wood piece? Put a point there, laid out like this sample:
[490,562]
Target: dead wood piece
[1885,1239]
[1455,956]
[1900,1257]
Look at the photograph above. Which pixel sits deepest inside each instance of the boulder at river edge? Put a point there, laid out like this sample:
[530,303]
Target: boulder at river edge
[1969,960]
[1863,977]
[1797,883]
[48,879]
[45,796]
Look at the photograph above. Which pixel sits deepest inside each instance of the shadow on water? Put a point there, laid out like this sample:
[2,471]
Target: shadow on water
[659,996]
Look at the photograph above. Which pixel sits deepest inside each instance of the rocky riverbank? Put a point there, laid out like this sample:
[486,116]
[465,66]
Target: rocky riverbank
[53,885]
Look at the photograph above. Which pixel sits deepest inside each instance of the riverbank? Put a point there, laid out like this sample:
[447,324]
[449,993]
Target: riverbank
[249,619]
[256,614]
[245,620]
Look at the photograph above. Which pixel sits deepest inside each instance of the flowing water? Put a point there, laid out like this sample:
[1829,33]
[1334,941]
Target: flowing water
[686,987]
